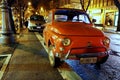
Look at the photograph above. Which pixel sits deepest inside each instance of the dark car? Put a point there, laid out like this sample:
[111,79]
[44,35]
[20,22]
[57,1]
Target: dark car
[35,23]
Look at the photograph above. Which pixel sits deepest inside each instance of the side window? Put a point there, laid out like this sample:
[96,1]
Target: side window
[81,18]
[84,18]
[49,17]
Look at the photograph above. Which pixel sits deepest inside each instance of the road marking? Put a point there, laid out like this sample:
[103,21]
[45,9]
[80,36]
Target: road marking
[4,66]
[66,72]
[41,40]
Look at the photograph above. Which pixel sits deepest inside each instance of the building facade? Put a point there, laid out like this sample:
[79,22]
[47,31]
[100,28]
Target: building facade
[104,11]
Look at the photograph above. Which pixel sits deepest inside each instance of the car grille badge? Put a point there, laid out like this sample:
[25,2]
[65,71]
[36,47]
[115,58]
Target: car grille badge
[89,44]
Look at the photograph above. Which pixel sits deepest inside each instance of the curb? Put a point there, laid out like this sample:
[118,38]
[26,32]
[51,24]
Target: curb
[113,32]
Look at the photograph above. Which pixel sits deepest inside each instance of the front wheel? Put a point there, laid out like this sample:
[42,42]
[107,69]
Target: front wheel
[103,60]
[54,61]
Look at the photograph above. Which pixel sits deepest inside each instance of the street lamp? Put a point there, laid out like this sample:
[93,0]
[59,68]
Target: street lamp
[6,32]
[29,3]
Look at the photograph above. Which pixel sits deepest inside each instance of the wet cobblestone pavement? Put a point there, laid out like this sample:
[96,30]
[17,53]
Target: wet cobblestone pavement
[108,71]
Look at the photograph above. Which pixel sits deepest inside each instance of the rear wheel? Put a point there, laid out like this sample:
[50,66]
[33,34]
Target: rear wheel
[54,61]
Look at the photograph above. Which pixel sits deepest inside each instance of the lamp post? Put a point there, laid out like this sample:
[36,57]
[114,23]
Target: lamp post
[6,37]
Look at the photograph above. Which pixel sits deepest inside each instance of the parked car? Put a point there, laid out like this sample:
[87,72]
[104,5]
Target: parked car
[69,34]
[35,23]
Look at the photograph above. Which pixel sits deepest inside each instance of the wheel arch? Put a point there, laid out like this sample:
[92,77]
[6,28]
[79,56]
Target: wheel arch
[50,42]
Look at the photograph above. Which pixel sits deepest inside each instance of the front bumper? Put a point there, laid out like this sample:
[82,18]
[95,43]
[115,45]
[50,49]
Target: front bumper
[69,54]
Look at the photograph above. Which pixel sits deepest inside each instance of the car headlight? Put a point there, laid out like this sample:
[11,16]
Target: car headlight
[66,42]
[106,42]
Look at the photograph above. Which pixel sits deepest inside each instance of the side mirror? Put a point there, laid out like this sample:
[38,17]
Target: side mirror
[93,20]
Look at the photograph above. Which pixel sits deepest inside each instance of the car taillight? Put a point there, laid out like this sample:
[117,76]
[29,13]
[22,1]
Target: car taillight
[66,41]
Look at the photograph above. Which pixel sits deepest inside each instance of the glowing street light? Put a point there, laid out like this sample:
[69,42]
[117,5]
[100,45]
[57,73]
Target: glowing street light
[29,3]
[41,9]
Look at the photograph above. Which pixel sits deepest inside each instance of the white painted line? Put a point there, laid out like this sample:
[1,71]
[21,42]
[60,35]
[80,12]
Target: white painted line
[4,66]
[66,72]
[41,40]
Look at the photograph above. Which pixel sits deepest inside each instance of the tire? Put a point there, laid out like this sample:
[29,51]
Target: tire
[103,60]
[54,61]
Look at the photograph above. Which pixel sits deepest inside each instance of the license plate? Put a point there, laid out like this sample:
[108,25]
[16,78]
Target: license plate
[88,60]
[38,27]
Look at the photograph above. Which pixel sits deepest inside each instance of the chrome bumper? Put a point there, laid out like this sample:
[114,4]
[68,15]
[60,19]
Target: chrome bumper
[86,54]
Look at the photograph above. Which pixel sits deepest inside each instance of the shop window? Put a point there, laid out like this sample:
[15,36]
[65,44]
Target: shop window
[109,19]
[98,19]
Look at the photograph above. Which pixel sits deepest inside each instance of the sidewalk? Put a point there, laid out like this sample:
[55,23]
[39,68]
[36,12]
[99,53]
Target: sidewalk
[111,30]
[29,61]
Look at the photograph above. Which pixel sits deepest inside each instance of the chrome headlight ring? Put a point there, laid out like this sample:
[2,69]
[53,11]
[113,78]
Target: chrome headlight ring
[66,41]
[106,41]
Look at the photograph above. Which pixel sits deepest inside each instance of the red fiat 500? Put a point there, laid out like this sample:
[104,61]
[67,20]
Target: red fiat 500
[69,35]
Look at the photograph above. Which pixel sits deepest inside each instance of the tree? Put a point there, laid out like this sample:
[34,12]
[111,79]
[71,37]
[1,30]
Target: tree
[85,4]
[117,3]
[20,6]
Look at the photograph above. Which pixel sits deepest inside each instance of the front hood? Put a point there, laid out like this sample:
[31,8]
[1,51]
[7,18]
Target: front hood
[76,28]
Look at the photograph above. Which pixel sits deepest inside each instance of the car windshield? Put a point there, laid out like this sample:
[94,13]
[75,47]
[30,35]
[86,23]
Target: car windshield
[71,15]
[37,18]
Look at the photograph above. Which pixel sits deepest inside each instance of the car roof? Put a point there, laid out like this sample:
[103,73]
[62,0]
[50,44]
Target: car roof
[67,10]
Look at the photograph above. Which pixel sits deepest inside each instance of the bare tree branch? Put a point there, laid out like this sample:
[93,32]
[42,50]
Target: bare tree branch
[83,2]
[88,5]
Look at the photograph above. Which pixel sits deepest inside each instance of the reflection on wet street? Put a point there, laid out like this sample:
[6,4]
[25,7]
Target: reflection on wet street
[108,71]
[115,41]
